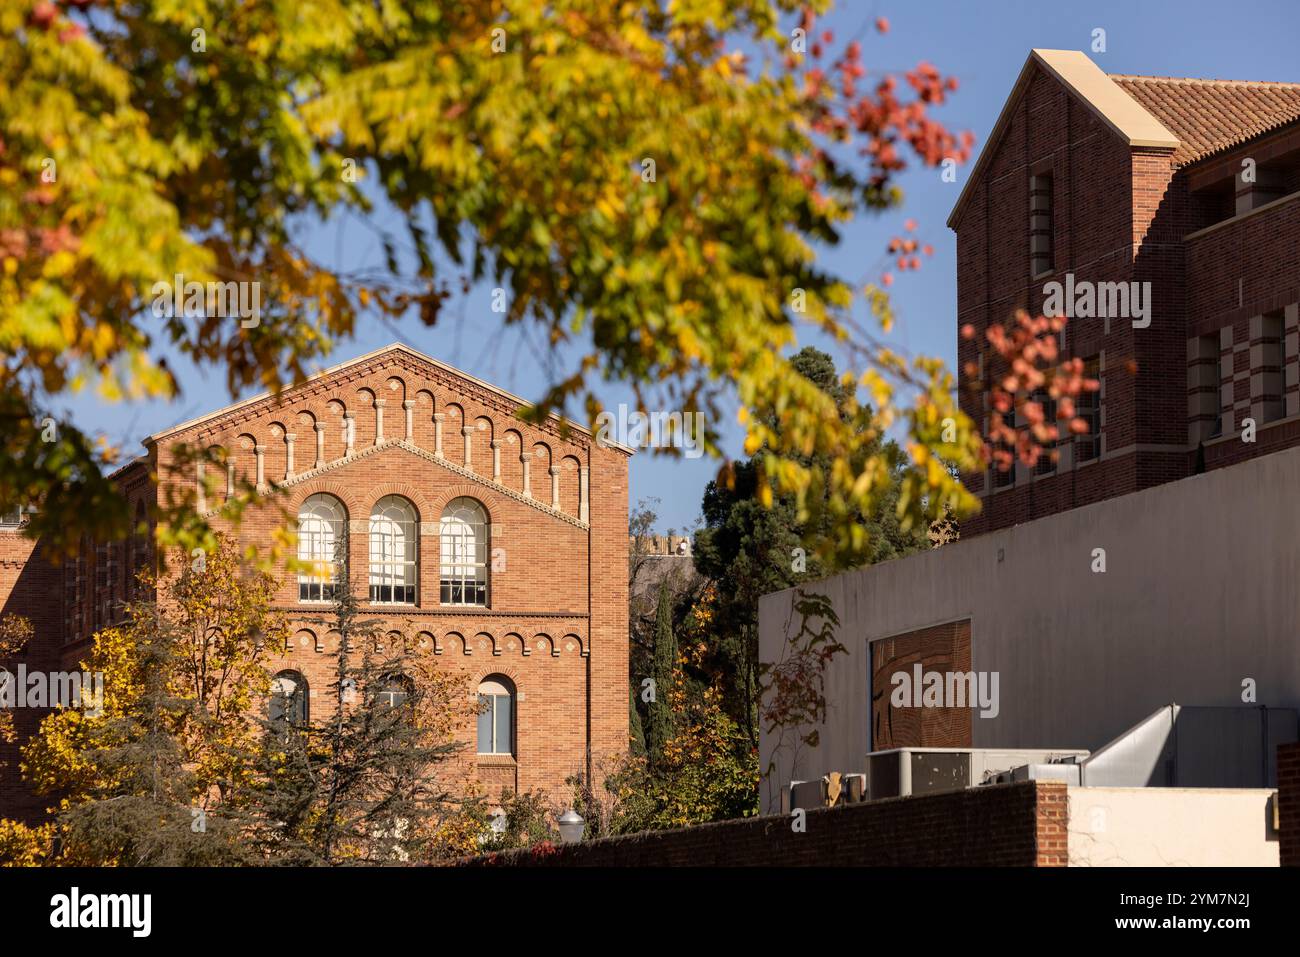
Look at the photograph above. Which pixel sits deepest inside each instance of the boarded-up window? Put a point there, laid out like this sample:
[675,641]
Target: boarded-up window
[944,649]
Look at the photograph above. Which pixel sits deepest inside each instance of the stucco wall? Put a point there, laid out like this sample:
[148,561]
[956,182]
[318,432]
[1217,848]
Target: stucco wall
[1199,593]
[1166,827]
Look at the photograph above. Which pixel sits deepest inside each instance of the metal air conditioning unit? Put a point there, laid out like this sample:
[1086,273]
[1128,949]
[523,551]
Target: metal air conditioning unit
[901,772]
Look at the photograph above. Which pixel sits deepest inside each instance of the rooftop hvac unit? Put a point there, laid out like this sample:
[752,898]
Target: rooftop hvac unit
[901,772]
[811,794]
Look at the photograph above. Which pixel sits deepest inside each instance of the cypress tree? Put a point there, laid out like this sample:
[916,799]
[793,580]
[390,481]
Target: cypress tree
[665,665]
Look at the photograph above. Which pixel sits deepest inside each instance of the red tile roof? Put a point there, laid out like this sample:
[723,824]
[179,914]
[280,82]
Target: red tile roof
[1212,115]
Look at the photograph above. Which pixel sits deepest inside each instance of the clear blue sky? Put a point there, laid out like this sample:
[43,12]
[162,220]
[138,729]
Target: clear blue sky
[984,44]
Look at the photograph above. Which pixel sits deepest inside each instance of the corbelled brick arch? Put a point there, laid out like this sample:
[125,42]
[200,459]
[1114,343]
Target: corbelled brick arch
[309,439]
[424,427]
[357,508]
[453,435]
[512,456]
[367,415]
[275,460]
[408,490]
[491,502]
[487,672]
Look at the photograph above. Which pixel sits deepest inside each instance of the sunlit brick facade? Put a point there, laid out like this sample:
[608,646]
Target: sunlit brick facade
[498,546]
[1190,185]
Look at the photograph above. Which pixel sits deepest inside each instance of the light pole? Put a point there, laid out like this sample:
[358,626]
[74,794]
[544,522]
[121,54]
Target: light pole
[571,826]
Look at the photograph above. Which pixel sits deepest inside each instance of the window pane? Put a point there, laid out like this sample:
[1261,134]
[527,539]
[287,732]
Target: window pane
[394,533]
[504,744]
[320,530]
[463,549]
[485,725]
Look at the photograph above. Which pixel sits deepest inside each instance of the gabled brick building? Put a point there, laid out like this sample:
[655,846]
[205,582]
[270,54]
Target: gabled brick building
[498,545]
[1192,186]
[1154,562]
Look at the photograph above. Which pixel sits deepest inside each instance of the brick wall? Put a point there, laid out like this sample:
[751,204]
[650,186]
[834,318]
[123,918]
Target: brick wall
[1104,201]
[1288,799]
[28,587]
[1122,214]
[555,623]
[1010,825]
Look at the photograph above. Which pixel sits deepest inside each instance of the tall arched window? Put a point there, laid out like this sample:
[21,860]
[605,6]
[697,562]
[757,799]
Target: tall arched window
[321,524]
[289,701]
[394,538]
[464,537]
[496,716]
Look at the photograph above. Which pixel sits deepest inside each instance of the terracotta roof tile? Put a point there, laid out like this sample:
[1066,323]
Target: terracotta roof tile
[1212,115]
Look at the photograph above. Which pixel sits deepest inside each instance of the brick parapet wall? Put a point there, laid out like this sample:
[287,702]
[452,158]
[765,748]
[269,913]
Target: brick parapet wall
[1009,825]
[1288,799]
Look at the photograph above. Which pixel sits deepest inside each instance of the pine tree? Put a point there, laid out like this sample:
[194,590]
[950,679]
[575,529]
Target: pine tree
[751,550]
[362,785]
[143,807]
[665,668]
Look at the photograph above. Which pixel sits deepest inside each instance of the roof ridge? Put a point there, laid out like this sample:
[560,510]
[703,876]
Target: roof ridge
[1201,81]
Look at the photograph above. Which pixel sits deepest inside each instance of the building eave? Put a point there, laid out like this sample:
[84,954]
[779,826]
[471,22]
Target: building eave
[1127,118]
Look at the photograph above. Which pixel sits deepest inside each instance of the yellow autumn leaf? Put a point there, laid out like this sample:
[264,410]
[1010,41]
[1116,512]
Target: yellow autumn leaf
[60,264]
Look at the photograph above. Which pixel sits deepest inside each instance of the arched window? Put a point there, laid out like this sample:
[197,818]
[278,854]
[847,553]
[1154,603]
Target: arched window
[496,717]
[394,690]
[394,538]
[289,702]
[464,553]
[321,522]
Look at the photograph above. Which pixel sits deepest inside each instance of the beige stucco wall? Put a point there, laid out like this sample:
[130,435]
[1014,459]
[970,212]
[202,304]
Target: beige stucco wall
[1171,827]
[1200,592]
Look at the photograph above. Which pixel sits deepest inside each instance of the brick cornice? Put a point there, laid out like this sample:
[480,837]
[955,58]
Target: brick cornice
[459,611]
[434,376]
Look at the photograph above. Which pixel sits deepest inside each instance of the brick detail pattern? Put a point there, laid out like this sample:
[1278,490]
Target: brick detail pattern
[1007,825]
[942,648]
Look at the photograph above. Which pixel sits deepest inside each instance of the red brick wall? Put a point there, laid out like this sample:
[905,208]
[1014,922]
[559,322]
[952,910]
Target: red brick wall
[1106,198]
[1288,799]
[1122,214]
[1009,825]
[556,621]
[29,586]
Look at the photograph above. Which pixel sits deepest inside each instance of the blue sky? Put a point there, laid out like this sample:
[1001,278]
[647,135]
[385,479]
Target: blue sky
[983,44]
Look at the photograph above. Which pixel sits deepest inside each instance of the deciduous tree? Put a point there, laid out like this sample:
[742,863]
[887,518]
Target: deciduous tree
[646,183]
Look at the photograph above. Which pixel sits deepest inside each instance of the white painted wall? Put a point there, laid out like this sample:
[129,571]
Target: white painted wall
[1171,827]
[1200,592]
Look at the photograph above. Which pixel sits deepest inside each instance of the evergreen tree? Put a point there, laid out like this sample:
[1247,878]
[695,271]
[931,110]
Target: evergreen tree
[141,809]
[635,727]
[362,786]
[751,550]
[665,670]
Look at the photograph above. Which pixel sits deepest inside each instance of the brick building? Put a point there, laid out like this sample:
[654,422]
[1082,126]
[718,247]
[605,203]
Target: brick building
[497,545]
[1191,186]
[1154,561]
